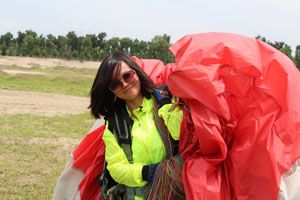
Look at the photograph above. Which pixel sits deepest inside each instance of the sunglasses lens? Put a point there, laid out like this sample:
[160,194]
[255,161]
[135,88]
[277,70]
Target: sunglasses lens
[128,76]
[115,85]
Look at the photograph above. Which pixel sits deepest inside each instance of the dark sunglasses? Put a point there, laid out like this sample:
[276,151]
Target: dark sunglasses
[127,77]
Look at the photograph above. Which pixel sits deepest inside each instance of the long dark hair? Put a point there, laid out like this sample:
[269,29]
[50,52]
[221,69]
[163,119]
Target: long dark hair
[102,99]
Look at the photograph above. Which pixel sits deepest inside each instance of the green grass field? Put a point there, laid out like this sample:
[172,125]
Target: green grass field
[34,149]
[62,80]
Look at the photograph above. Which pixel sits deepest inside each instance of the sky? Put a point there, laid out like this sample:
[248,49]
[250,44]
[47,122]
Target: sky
[277,20]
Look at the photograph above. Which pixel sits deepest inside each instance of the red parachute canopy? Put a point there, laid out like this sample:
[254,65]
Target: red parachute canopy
[243,130]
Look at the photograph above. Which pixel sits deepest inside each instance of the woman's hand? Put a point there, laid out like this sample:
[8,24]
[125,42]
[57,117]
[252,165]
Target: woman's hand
[148,172]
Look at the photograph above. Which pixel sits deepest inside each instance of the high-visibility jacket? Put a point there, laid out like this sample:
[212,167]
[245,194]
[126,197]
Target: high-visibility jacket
[147,146]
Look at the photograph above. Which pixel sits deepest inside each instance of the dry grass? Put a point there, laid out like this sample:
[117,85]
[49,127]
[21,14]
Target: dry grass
[28,62]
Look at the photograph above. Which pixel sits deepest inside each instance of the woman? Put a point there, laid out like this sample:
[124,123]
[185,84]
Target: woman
[123,94]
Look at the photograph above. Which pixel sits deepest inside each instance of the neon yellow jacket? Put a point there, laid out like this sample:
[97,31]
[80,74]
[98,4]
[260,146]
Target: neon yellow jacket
[147,146]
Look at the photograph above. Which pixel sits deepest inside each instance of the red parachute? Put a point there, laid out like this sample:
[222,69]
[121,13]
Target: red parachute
[244,107]
[240,137]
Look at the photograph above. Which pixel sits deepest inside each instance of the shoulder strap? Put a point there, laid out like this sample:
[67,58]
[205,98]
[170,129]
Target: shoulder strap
[120,124]
[163,131]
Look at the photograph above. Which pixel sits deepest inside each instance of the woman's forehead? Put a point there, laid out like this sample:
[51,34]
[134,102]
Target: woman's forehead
[124,66]
[120,69]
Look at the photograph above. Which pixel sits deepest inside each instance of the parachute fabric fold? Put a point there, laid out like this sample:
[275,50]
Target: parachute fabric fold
[243,97]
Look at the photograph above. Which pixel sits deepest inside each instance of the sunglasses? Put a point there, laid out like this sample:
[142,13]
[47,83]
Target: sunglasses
[127,77]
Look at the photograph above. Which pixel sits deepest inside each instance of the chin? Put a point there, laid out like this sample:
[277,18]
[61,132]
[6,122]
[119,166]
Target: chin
[132,95]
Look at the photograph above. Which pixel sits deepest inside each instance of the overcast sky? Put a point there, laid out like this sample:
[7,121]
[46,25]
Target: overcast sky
[277,20]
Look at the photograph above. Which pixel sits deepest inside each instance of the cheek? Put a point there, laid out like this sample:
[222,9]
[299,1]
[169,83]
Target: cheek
[138,85]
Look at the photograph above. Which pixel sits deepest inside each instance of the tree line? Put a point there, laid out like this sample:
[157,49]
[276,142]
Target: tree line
[89,47]
[96,47]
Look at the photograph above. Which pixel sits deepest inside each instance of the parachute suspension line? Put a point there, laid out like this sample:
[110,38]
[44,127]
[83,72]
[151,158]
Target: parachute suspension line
[167,183]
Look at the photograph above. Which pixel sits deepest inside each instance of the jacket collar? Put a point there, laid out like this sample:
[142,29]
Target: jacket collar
[146,106]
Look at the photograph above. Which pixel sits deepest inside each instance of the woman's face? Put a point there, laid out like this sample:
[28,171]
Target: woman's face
[126,84]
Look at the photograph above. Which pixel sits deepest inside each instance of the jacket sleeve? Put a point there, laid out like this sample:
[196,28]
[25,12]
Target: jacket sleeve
[118,165]
[172,119]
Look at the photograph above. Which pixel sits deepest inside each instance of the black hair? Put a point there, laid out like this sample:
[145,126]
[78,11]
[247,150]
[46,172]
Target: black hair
[102,99]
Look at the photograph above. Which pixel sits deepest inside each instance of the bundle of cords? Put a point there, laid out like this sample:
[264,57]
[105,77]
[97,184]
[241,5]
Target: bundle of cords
[167,182]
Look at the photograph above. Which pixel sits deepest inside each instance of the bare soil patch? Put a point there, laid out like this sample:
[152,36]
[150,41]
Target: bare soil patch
[28,62]
[15,72]
[42,104]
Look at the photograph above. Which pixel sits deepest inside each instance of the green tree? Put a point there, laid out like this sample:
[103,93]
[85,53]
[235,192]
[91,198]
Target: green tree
[86,48]
[125,44]
[159,48]
[140,49]
[31,44]
[12,50]
[112,45]
[73,41]
[64,48]
[259,37]
[43,46]
[51,46]
[5,41]
[101,40]
[284,48]
[94,40]
[20,42]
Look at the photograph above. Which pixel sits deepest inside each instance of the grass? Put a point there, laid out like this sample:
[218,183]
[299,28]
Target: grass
[29,171]
[29,126]
[34,150]
[60,80]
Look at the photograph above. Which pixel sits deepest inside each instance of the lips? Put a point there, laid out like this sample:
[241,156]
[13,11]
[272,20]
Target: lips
[128,88]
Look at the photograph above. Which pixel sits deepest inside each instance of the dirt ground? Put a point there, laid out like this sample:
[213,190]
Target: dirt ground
[42,104]
[28,62]
[14,72]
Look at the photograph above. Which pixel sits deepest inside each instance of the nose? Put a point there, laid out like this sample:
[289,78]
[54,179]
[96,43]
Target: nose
[124,83]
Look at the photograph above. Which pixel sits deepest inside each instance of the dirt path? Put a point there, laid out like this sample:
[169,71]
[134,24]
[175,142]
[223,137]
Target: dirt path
[42,104]
[14,72]
[28,62]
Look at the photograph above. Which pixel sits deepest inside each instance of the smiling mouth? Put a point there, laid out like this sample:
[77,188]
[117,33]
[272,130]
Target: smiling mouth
[128,88]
